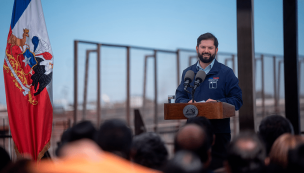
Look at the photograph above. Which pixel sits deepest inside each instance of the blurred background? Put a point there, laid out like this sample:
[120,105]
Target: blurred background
[165,29]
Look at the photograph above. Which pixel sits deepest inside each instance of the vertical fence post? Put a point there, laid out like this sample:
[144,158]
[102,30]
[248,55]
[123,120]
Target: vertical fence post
[290,30]
[98,85]
[84,105]
[245,49]
[263,86]
[279,84]
[75,80]
[275,94]
[145,81]
[155,92]
[128,86]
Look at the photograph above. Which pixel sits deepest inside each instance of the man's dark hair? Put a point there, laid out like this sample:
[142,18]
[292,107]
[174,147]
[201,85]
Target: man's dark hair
[246,154]
[114,136]
[82,130]
[206,125]
[4,158]
[207,36]
[149,150]
[296,159]
[272,127]
[195,141]
[184,162]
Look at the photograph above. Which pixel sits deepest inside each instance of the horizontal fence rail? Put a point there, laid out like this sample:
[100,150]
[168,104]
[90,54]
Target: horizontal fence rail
[155,66]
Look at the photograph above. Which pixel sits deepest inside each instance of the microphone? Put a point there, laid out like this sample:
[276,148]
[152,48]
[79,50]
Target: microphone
[199,78]
[188,78]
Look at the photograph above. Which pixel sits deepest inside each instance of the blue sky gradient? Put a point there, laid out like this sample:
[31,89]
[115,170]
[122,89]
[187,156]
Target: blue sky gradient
[169,24]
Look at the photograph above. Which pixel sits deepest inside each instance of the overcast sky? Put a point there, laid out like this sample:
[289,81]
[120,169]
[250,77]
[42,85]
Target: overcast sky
[163,24]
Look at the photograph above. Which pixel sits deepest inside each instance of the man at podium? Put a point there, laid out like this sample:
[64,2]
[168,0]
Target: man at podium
[220,85]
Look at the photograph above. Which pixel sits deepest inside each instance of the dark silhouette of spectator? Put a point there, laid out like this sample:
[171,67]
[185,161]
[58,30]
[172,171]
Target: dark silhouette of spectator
[204,123]
[82,130]
[4,158]
[149,150]
[114,136]
[272,127]
[296,159]
[85,156]
[184,162]
[246,154]
[194,138]
[279,152]
[20,166]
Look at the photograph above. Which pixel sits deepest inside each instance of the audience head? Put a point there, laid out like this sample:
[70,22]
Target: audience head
[83,148]
[149,150]
[296,159]
[193,138]
[245,154]
[114,136]
[272,127]
[184,162]
[206,125]
[4,158]
[279,151]
[20,166]
[82,130]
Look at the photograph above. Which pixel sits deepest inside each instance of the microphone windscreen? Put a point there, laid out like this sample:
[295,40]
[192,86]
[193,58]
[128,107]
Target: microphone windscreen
[189,75]
[201,75]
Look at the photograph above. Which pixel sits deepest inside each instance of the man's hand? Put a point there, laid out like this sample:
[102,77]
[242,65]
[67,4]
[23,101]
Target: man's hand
[191,101]
[211,100]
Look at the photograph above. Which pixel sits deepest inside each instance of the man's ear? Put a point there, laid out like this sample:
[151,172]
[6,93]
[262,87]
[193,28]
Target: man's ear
[196,49]
[213,140]
[216,50]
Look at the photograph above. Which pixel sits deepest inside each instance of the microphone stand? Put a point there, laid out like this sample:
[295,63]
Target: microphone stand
[192,93]
[193,90]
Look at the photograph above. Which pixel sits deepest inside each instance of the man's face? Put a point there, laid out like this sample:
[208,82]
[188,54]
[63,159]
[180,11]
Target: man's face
[206,51]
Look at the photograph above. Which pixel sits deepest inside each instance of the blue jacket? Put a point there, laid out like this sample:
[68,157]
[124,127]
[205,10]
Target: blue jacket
[220,84]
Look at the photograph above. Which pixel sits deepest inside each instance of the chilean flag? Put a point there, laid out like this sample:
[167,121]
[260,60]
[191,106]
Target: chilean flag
[28,69]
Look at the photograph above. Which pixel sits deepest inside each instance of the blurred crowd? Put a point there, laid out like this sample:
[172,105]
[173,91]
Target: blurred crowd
[112,148]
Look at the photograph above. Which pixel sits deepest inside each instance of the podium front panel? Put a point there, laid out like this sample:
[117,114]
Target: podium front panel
[210,110]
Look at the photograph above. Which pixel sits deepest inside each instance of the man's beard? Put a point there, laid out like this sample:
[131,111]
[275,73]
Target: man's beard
[205,60]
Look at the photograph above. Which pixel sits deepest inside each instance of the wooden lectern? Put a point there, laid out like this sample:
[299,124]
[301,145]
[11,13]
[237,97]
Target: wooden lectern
[210,110]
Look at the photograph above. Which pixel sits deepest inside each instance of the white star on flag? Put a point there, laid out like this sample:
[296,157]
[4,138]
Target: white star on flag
[26,61]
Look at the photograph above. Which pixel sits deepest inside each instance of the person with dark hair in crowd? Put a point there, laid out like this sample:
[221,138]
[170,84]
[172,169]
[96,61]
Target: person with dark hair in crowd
[296,159]
[184,162]
[206,125]
[272,127]
[82,130]
[85,156]
[116,137]
[149,150]
[245,154]
[4,158]
[20,166]
[193,138]
[220,85]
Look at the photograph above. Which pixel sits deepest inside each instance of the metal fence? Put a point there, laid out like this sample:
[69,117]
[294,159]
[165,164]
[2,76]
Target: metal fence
[161,70]
[111,81]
